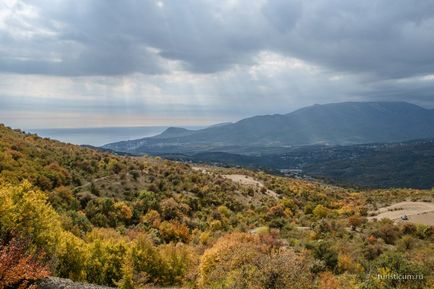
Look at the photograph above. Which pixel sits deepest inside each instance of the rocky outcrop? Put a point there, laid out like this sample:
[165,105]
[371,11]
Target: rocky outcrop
[59,283]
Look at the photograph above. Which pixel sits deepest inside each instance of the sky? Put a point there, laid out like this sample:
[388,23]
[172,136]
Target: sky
[95,63]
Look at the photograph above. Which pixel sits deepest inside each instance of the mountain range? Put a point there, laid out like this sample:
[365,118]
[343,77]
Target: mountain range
[345,123]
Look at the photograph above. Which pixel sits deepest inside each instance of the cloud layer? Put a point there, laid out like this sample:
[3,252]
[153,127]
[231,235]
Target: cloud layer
[225,59]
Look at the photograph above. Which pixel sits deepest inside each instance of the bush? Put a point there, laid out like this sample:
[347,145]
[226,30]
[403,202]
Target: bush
[325,253]
[320,211]
[388,232]
[424,232]
[71,256]
[146,261]
[356,221]
[26,212]
[174,231]
[242,260]
[105,261]
[395,264]
[170,209]
[18,269]
[328,281]
[177,260]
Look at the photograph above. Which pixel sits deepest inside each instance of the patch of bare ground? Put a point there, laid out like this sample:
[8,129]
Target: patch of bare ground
[251,182]
[415,212]
[200,169]
[61,283]
[259,189]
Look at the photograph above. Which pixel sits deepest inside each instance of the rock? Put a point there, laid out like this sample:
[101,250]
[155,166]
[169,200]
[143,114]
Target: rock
[60,283]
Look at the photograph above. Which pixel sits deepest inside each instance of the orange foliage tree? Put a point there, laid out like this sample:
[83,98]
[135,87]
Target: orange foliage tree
[19,269]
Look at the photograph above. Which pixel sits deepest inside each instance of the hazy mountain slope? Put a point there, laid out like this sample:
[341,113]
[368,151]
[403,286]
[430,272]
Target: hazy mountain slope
[172,132]
[338,124]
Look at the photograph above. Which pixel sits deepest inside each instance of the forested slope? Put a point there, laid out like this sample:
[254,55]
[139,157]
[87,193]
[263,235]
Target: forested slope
[91,216]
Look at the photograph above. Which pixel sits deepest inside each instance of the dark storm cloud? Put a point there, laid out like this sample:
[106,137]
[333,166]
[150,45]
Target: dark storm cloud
[121,37]
[385,39]
[228,58]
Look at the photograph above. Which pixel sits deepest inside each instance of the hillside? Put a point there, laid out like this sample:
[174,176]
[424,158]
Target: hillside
[332,124]
[91,216]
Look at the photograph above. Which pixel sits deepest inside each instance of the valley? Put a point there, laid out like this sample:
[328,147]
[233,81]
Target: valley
[405,164]
[354,144]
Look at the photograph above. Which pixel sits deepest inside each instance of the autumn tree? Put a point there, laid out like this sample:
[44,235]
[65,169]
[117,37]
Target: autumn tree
[19,269]
[242,260]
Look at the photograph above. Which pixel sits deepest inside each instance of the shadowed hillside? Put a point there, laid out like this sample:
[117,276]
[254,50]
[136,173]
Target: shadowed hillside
[405,164]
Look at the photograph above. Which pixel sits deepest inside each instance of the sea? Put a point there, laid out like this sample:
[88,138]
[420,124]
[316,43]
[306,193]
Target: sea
[101,135]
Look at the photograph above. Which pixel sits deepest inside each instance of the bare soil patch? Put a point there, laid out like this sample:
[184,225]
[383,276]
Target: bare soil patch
[249,181]
[416,212]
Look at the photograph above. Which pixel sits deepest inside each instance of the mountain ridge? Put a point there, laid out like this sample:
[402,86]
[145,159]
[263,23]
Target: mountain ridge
[330,124]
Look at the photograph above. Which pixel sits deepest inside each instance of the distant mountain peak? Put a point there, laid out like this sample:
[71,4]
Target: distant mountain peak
[174,132]
[175,129]
[363,104]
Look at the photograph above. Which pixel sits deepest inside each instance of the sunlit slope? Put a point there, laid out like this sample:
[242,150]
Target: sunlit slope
[146,222]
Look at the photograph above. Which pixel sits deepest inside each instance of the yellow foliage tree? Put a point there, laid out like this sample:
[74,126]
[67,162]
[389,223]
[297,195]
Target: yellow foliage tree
[26,211]
[242,260]
[328,281]
[71,254]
